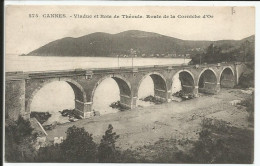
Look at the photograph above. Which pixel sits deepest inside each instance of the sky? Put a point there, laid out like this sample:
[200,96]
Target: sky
[24,34]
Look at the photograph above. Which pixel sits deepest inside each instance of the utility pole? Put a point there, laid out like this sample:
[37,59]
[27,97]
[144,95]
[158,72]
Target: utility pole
[132,52]
[118,61]
[200,60]
[213,48]
[132,61]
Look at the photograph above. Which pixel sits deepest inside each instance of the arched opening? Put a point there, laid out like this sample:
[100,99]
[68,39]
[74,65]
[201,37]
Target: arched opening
[227,78]
[151,90]
[52,98]
[183,81]
[111,94]
[207,82]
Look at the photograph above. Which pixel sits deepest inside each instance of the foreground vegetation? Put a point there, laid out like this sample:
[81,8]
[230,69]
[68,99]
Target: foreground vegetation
[19,140]
[246,80]
[249,104]
[218,142]
[118,105]
[184,95]
[152,99]
[40,116]
[244,52]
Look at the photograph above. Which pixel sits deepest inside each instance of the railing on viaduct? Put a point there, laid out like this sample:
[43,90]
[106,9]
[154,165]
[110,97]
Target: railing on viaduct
[21,87]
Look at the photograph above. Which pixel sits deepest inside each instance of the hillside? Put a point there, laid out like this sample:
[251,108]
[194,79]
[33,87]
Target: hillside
[145,44]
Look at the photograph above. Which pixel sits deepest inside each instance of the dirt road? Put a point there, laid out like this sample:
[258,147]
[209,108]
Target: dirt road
[144,126]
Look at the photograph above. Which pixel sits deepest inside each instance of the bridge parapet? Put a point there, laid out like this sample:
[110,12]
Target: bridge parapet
[19,75]
[82,72]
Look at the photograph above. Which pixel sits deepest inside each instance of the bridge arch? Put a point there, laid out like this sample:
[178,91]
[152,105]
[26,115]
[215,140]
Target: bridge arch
[187,81]
[79,93]
[207,81]
[227,77]
[124,89]
[160,86]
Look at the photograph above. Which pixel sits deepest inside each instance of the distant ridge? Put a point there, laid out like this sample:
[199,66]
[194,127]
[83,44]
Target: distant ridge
[145,44]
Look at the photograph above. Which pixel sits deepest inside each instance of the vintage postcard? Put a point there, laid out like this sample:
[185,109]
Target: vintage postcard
[129,84]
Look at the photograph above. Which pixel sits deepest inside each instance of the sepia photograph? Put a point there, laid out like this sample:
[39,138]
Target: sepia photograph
[129,84]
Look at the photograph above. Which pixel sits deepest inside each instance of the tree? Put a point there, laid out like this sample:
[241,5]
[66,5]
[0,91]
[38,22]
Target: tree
[19,141]
[213,54]
[50,153]
[78,146]
[216,54]
[107,151]
[247,49]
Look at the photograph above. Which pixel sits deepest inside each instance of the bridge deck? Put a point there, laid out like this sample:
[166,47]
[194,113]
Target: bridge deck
[89,71]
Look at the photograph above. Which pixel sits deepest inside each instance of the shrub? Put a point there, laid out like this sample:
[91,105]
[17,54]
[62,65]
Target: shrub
[50,153]
[40,116]
[246,80]
[153,99]
[118,105]
[184,95]
[231,145]
[129,156]
[218,125]
[107,151]
[78,146]
[19,141]
[249,104]
[70,113]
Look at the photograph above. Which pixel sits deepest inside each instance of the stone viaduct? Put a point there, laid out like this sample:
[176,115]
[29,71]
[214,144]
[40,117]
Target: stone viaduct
[21,87]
